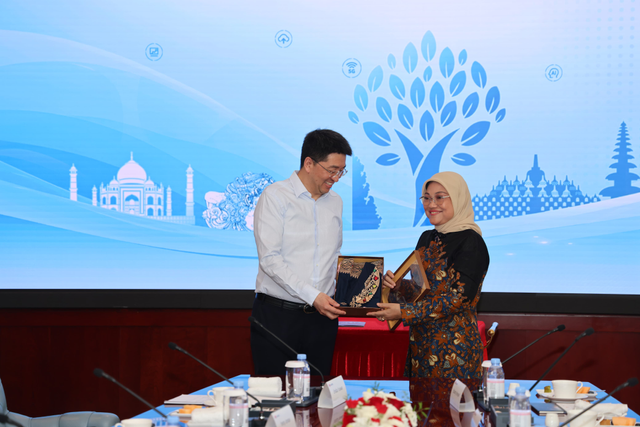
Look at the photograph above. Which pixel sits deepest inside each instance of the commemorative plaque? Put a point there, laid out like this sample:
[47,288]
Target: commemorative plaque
[359,284]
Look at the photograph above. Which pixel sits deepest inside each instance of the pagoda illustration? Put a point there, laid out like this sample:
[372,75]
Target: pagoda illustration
[532,195]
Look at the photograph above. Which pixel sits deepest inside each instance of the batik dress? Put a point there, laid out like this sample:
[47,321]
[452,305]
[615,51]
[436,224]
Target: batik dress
[444,338]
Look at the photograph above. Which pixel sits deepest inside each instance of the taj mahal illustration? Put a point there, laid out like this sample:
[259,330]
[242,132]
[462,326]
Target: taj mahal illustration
[132,191]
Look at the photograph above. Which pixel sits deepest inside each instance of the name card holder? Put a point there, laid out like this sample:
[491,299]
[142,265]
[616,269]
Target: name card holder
[283,417]
[333,393]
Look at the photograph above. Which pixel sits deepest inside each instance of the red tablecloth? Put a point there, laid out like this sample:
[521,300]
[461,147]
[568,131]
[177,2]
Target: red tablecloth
[373,351]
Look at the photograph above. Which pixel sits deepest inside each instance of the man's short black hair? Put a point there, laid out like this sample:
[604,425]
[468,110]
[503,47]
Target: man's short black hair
[318,144]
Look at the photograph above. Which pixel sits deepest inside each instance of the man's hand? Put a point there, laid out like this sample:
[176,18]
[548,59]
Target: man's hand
[327,306]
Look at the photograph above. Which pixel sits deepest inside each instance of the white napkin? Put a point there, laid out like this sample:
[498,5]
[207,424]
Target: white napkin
[207,415]
[265,392]
[272,383]
[609,410]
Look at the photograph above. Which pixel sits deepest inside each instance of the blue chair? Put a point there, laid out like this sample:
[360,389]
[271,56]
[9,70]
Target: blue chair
[70,419]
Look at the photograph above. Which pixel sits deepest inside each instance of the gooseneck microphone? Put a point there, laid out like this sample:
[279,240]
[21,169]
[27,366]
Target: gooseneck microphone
[4,419]
[102,374]
[578,338]
[264,328]
[629,383]
[174,346]
[557,329]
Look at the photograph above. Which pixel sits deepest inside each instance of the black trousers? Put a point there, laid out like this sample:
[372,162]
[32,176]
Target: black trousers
[312,334]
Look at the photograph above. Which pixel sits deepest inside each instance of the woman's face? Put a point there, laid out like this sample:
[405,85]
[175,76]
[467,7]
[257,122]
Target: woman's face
[437,204]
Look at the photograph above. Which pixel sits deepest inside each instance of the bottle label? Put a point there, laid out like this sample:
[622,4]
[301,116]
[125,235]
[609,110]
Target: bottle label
[306,392]
[495,388]
[519,418]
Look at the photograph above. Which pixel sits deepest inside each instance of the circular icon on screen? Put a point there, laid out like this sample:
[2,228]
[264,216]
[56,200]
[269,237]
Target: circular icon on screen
[153,52]
[283,38]
[553,73]
[351,68]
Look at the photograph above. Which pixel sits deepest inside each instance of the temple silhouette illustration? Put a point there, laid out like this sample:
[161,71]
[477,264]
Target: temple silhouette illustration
[533,195]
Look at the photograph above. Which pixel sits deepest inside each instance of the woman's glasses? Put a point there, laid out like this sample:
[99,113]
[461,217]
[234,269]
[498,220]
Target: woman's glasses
[439,199]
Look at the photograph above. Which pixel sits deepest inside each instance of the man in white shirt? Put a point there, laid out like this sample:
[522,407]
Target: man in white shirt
[298,232]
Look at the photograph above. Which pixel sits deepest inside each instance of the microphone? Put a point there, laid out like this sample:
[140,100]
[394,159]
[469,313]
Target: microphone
[264,328]
[629,383]
[4,419]
[102,374]
[557,329]
[589,331]
[174,346]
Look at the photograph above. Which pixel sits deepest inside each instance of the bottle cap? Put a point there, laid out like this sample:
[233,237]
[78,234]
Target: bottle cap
[302,357]
[520,390]
[238,384]
[495,362]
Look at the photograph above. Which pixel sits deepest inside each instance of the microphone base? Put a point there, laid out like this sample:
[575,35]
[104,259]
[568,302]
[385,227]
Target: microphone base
[269,407]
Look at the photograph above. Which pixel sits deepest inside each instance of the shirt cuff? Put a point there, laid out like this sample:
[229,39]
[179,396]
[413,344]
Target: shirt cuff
[309,294]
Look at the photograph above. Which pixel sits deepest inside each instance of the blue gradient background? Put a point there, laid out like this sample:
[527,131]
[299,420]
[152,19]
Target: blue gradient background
[77,88]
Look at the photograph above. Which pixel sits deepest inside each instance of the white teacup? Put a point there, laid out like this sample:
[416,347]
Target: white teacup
[135,422]
[217,393]
[588,419]
[565,389]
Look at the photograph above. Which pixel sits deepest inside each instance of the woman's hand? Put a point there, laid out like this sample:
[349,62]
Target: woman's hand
[388,281]
[388,312]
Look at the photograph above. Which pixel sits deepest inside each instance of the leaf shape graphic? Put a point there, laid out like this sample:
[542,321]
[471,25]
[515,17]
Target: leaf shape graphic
[475,133]
[376,133]
[384,109]
[353,117]
[396,86]
[447,62]
[428,46]
[361,98]
[375,79]
[493,99]
[478,74]
[405,116]
[470,104]
[463,159]
[391,60]
[388,159]
[462,58]
[427,74]
[500,115]
[448,113]
[427,126]
[436,97]
[457,83]
[417,92]
[410,58]
[413,153]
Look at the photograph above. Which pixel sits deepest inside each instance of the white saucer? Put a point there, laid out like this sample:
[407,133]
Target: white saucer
[580,396]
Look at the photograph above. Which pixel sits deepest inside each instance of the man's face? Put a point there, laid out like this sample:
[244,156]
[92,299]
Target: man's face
[320,173]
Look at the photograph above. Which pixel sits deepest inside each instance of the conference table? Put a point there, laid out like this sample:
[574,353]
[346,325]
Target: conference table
[432,393]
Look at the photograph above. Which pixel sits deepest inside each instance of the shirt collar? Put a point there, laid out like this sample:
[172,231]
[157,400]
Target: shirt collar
[299,189]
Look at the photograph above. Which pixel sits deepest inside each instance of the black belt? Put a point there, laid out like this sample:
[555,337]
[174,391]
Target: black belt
[287,305]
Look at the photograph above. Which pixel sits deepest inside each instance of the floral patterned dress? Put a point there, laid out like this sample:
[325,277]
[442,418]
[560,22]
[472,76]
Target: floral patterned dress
[444,337]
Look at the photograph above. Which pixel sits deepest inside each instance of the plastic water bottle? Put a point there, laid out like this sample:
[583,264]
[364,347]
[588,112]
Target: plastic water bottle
[486,364]
[306,378]
[495,380]
[520,410]
[238,406]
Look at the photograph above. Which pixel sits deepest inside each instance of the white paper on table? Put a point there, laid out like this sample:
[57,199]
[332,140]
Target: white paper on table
[333,393]
[458,390]
[283,417]
[191,399]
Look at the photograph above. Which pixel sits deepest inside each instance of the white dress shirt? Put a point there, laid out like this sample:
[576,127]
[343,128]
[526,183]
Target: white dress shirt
[298,240]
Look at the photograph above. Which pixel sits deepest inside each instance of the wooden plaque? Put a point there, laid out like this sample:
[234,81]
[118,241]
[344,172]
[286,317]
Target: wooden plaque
[410,280]
[354,305]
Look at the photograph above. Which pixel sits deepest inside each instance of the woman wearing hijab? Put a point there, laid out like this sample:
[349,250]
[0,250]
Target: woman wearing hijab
[444,338]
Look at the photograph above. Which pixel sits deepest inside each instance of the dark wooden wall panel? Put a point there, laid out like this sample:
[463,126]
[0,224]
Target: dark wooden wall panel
[47,356]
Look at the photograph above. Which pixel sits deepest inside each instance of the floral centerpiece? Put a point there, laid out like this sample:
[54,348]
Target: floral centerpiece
[378,409]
